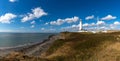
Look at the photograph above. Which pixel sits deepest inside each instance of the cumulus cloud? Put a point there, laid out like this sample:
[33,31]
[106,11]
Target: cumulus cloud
[86,24]
[73,19]
[32,26]
[90,24]
[93,24]
[109,17]
[58,22]
[33,22]
[67,20]
[12,1]
[73,26]
[7,18]
[36,13]
[70,28]
[89,17]
[6,30]
[46,23]
[42,29]
[100,23]
[116,23]
[48,30]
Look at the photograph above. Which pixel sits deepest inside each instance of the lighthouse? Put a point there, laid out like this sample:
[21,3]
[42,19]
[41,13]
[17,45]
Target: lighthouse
[80,25]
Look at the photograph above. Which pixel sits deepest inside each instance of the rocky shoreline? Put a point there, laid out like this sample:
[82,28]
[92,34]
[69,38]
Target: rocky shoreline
[34,49]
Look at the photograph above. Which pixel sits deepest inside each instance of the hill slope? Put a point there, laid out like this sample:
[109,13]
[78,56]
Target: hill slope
[85,47]
[79,47]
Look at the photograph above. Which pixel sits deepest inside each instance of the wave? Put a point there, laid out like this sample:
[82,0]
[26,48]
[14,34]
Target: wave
[20,46]
[26,45]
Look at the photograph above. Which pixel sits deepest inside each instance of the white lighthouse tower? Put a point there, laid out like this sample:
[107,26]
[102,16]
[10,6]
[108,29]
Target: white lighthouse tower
[80,26]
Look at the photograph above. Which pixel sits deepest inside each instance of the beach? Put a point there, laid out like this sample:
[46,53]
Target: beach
[30,49]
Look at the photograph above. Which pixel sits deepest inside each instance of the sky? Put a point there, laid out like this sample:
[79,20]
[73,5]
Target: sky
[58,15]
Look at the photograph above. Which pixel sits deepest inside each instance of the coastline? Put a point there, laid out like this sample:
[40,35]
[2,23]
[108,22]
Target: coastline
[30,48]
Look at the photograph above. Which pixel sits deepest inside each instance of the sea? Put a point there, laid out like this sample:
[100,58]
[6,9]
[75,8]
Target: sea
[16,39]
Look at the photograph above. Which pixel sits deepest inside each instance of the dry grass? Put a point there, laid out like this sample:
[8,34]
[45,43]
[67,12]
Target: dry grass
[80,47]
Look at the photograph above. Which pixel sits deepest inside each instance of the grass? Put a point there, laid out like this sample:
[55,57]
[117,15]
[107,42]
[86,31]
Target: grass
[58,43]
[82,46]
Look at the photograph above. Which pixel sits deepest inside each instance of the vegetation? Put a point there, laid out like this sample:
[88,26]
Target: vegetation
[82,46]
[78,47]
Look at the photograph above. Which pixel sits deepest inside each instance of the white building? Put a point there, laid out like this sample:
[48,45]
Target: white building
[80,25]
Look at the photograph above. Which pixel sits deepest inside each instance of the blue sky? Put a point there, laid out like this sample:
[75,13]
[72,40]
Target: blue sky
[58,15]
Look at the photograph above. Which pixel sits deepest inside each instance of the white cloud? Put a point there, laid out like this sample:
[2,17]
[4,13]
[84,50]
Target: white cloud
[32,26]
[6,30]
[86,24]
[109,17]
[7,18]
[58,22]
[12,1]
[89,17]
[67,20]
[112,27]
[42,28]
[46,23]
[33,22]
[73,19]
[53,22]
[70,28]
[100,23]
[48,30]
[76,27]
[73,26]
[52,29]
[91,24]
[36,13]
[116,23]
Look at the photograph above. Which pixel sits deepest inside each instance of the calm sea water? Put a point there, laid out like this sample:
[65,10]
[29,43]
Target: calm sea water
[16,39]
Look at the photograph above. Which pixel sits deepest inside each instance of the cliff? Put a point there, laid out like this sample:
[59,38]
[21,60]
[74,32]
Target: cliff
[71,46]
[85,47]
